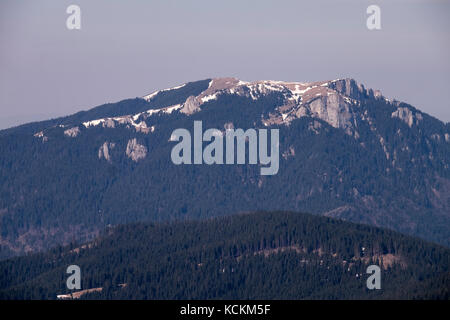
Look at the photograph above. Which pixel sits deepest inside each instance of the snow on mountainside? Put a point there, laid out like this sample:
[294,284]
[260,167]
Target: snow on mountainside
[335,102]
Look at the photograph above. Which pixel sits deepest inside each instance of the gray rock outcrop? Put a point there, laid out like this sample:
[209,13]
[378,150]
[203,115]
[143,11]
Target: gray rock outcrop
[103,151]
[72,132]
[135,151]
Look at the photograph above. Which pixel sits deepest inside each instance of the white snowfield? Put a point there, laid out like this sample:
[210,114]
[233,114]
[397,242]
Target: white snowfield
[153,94]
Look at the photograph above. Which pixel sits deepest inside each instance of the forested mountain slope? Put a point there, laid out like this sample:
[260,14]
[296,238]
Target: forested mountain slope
[265,255]
[345,152]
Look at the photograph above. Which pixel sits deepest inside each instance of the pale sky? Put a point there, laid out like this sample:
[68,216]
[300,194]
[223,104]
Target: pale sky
[129,48]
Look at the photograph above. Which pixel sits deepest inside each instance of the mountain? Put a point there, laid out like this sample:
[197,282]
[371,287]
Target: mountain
[345,152]
[264,255]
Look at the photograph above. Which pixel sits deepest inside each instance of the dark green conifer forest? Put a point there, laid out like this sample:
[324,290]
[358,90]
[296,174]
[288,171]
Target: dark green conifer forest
[263,255]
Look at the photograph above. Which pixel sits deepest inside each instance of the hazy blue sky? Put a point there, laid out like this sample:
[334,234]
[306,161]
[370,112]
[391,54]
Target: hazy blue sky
[130,48]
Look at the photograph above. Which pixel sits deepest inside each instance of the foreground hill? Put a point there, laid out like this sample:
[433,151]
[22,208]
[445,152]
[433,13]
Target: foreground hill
[263,255]
[345,151]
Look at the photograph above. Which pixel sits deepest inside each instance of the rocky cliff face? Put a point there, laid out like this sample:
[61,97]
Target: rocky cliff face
[103,151]
[135,151]
[72,132]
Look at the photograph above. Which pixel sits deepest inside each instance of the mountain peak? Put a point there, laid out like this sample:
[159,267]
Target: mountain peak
[298,96]
[333,101]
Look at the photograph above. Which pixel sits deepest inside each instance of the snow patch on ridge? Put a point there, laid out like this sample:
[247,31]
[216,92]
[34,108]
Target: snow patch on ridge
[131,120]
[153,94]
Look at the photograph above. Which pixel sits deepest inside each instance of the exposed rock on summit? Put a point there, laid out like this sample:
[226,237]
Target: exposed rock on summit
[191,105]
[335,102]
